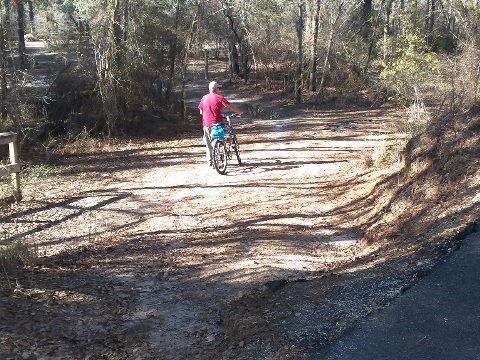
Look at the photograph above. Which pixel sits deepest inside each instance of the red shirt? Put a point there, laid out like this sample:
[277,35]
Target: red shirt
[211,106]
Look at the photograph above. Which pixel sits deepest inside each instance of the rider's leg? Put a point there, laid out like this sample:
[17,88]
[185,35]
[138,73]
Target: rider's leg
[208,144]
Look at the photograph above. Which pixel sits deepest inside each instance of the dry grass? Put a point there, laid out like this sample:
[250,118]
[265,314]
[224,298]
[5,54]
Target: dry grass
[15,254]
[435,195]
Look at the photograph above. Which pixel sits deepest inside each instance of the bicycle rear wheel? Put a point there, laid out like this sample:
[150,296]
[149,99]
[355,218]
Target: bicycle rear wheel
[237,149]
[220,156]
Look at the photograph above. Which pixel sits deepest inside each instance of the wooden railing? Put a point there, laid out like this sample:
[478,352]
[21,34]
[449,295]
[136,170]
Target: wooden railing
[14,167]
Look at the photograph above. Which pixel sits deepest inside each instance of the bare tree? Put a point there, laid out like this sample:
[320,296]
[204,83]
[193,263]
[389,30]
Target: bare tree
[31,16]
[186,53]
[173,51]
[333,24]
[4,25]
[314,52]
[299,73]
[21,32]
[366,18]
[234,39]
[109,42]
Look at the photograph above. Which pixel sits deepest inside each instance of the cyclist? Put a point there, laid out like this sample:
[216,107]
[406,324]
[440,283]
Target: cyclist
[210,108]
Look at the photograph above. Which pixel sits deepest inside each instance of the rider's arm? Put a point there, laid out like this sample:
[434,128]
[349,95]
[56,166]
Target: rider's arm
[235,109]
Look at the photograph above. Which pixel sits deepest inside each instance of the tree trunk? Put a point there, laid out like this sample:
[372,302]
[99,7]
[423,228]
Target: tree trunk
[235,39]
[314,53]
[237,62]
[117,33]
[388,13]
[387,28]
[4,55]
[366,8]
[377,24]
[366,14]
[233,57]
[329,46]
[206,63]
[126,19]
[299,72]
[31,16]
[173,52]
[430,21]
[327,58]
[244,57]
[246,66]
[109,57]
[21,33]
[3,69]
[188,44]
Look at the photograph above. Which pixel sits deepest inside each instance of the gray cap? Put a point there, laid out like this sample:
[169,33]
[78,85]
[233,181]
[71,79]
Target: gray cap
[213,85]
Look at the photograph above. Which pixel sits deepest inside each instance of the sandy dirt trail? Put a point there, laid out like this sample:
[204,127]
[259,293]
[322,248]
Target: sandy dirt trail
[153,255]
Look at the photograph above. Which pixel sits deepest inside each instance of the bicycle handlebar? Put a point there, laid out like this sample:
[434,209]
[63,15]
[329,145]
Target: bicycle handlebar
[230,115]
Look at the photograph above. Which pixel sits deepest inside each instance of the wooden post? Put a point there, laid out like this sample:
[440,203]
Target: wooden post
[13,169]
[13,149]
[206,64]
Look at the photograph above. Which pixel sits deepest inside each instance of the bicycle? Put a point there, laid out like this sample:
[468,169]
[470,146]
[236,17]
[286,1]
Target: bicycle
[224,147]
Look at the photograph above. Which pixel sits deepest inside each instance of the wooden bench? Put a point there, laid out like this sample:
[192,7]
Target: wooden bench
[14,167]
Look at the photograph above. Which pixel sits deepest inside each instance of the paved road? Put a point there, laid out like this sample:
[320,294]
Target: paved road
[439,318]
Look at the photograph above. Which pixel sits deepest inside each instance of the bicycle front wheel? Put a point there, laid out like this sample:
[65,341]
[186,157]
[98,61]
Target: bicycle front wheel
[237,149]
[220,156]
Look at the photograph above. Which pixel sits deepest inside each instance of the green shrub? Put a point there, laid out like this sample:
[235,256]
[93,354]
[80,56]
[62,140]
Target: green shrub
[411,66]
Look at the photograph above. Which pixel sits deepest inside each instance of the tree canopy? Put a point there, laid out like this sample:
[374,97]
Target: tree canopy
[136,54]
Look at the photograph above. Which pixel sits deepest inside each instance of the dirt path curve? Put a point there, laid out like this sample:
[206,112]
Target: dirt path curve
[153,255]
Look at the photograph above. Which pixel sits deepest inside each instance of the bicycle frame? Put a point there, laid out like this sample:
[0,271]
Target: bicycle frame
[223,149]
